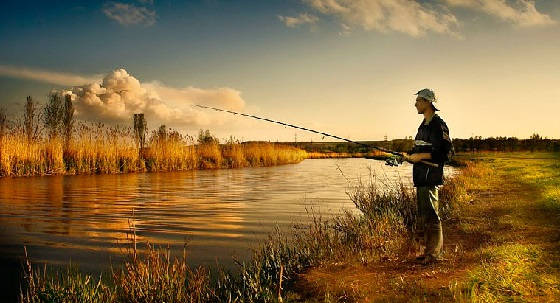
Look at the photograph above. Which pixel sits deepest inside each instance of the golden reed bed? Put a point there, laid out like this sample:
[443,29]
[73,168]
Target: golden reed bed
[111,152]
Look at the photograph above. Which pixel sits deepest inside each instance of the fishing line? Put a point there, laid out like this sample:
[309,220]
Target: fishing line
[309,130]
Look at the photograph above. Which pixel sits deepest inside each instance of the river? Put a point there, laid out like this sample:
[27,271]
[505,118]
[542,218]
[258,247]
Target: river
[86,219]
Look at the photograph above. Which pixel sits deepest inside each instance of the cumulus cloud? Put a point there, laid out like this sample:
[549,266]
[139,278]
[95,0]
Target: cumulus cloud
[405,16]
[46,76]
[119,95]
[302,18]
[129,14]
[519,12]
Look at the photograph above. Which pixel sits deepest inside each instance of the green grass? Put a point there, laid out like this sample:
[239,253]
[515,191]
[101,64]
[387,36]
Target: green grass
[514,272]
[522,264]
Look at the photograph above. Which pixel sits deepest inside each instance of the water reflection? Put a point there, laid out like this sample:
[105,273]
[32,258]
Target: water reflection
[86,218]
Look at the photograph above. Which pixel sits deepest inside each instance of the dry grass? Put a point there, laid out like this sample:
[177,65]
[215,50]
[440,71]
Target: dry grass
[98,149]
[22,158]
[510,254]
[378,233]
[157,277]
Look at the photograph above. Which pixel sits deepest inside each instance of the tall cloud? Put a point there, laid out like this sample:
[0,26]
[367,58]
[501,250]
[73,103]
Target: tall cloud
[129,14]
[115,97]
[119,95]
[519,12]
[405,16]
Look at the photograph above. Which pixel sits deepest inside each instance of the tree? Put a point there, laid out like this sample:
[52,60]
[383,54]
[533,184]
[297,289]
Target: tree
[162,133]
[53,114]
[534,141]
[2,122]
[140,129]
[68,120]
[204,137]
[30,120]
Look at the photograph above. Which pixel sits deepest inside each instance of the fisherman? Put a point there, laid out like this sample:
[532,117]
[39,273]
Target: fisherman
[432,144]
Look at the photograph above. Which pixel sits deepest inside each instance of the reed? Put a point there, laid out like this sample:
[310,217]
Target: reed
[19,157]
[94,148]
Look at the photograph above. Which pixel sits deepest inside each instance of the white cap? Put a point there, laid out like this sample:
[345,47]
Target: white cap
[429,95]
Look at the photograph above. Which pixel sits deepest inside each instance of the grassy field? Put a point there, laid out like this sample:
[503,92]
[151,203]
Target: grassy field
[520,261]
[501,225]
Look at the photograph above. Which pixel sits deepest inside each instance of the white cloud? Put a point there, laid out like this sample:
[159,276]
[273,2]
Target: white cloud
[129,14]
[46,76]
[120,95]
[519,12]
[405,16]
[302,18]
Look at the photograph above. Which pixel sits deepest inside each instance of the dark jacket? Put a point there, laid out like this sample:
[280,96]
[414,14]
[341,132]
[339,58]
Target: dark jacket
[433,136]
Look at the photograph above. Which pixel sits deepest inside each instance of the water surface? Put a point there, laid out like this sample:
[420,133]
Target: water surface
[220,213]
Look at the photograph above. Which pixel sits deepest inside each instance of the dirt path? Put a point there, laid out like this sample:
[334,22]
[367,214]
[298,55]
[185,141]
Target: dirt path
[503,214]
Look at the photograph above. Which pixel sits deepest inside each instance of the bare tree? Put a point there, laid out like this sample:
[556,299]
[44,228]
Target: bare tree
[53,114]
[68,120]
[30,120]
[140,129]
[2,122]
[162,133]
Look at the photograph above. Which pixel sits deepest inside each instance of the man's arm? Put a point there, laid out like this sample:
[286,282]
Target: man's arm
[418,157]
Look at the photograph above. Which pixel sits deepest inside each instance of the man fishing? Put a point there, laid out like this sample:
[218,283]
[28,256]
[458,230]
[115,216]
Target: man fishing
[431,149]
[432,143]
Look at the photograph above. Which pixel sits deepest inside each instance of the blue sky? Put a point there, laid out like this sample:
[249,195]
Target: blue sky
[345,67]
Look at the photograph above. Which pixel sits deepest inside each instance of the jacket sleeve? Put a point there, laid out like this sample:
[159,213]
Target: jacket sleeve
[436,138]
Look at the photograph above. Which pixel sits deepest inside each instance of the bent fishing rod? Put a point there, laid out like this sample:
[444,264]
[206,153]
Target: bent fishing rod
[391,161]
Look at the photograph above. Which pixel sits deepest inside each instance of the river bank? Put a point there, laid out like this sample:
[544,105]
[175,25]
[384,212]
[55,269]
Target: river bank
[501,242]
[367,257]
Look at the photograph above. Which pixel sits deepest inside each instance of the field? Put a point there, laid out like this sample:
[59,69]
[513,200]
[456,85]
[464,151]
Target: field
[501,221]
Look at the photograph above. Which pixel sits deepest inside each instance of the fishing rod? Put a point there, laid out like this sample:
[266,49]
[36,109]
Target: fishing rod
[392,161]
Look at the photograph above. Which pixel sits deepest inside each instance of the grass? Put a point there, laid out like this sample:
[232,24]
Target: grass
[155,276]
[97,149]
[522,264]
[514,272]
[501,223]
[500,216]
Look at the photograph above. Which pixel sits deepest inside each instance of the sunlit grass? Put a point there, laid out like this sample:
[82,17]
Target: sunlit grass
[98,149]
[518,269]
[514,272]
[506,269]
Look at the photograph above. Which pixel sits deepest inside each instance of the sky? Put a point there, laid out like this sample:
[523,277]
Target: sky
[349,68]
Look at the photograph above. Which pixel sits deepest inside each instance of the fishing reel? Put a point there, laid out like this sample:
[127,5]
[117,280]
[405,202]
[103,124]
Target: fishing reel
[394,161]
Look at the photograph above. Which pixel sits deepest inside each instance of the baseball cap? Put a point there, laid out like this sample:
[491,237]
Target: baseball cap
[428,94]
